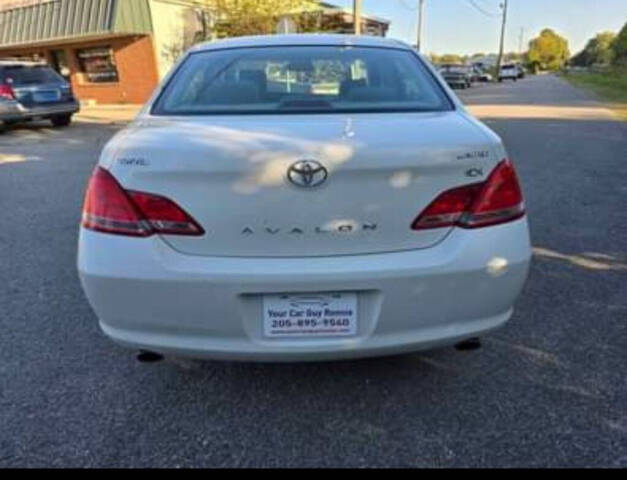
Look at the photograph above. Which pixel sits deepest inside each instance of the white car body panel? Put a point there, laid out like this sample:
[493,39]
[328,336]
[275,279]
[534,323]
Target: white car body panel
[151,297]
[202,296]
[242,162]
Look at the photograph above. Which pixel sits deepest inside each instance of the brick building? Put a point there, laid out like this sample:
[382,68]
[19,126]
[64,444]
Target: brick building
[116,51]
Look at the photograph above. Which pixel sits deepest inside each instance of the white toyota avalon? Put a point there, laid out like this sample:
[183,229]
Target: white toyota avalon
[302,197]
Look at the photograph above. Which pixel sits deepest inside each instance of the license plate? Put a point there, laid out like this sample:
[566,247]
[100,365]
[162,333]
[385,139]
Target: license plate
[48,96]
[310,315]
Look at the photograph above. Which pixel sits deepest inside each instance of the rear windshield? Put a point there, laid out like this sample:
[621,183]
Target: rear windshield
[28,75]
[301,79]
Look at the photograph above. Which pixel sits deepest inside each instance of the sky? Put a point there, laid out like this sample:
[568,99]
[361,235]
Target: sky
[455,26]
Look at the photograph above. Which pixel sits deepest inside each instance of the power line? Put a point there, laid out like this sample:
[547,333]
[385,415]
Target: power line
[420,7]
[482,10]
[407,6]
[487,10]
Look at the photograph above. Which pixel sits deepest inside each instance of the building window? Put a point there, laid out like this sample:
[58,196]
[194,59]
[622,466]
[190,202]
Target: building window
[97,65]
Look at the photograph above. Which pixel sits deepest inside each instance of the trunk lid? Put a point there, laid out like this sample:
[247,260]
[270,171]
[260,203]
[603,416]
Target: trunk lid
[231,174]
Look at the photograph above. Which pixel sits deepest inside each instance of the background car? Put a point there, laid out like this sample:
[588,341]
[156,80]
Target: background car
[33,90]
[480,75]
[485,77]
[457,76]
[509,71]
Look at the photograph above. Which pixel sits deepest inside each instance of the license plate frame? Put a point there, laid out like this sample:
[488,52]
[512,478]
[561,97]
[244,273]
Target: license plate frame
[310,315]
[47,96]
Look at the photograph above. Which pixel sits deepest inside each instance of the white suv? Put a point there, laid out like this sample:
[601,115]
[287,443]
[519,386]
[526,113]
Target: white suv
[509,72]
[302,197]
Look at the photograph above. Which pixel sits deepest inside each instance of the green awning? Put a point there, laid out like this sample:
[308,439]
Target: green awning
[69,19]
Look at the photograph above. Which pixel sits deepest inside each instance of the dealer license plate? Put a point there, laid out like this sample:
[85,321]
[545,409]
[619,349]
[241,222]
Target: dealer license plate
[310,315]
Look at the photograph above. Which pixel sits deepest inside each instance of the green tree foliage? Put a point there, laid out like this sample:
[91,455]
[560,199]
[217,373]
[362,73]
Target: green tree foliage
[598,50]
[211,19]
[256,17]
[619,48]
[446,58]
[548,51]
[514,57]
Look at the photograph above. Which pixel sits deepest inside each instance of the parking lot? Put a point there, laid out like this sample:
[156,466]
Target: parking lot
[547,390]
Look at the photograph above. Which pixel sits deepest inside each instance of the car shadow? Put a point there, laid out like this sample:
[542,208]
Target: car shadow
[36,140]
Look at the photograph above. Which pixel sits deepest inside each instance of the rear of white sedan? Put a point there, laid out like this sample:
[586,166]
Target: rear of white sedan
[303,197]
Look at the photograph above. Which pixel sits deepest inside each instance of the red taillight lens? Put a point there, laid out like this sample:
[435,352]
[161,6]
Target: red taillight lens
[498,200]
[109,208]
[165,216]
[501,199]
[448,208]
[6,91]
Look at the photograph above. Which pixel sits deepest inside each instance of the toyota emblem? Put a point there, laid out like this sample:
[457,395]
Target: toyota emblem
[307,173]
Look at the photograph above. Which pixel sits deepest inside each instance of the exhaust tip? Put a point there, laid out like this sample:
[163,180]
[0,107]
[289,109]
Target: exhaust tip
[469,345]
[149,357]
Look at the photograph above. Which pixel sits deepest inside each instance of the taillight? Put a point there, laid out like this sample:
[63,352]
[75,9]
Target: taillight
[497,200]
[6,91]
[111,209]
[67,90]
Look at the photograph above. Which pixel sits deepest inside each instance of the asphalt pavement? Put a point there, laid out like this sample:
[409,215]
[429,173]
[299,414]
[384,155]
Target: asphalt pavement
[550,389]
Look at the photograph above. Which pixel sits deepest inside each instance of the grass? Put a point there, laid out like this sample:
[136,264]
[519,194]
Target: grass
[609,86]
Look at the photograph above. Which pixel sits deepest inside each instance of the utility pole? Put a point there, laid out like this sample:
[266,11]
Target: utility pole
[500,59]
[421,19]
[357,16]
[520,40]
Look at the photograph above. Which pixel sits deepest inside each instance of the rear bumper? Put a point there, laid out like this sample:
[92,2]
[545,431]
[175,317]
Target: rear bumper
[9,109]
[148,296]
[13,111]
[456,81]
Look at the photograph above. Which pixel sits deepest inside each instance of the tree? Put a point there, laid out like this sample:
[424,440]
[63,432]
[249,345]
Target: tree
[601,47]
[548,51]
[450,58]
[514,57]
[619,48]
[211,19]
[195,27]
[255,17]
[598,50]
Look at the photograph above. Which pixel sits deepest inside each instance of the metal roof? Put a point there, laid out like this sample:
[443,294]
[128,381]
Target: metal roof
[302,39]
[68,19]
